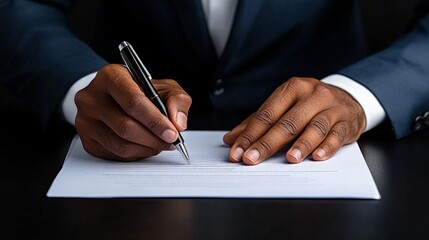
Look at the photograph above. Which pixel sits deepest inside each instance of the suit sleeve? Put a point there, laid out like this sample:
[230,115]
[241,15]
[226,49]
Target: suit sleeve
[399,77]
[40,58]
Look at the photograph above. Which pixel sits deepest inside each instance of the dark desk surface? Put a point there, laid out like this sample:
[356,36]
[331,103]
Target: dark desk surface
[31,159]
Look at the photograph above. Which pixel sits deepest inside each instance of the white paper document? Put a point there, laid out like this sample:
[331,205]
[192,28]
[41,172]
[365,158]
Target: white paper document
[211,175]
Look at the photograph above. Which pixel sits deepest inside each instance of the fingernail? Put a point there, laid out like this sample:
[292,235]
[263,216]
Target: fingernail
[237,153]
[253,155]
[169,136]
[320,153]
[296,154]
[182,119]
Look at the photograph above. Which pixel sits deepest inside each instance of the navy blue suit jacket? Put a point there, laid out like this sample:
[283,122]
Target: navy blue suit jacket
[270,41]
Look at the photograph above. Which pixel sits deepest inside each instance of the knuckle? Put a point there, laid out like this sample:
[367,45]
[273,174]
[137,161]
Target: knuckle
[265,116]
[106,71]
[79,124]
[125,151]
[289,126]
[321,89]
[134,105]
[183,97]
[107,144]
[125,129]
[88,145]
[298,83]
[340,133]
[120,150]
[304,144]
[163,85]
[81,98]
[265,146]
[105,141]
[321,125]
[360,120]
[285,87]
[170,82]
[298,87]
[155,123]
[246,140]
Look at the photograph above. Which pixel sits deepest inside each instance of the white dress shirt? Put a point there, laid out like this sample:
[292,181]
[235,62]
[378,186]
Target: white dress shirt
[219,17]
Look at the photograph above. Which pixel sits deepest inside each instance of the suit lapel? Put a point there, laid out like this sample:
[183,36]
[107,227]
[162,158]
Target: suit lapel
[245,15]
[192,20]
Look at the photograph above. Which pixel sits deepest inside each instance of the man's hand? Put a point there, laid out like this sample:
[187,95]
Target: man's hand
[319,117]
[115,120]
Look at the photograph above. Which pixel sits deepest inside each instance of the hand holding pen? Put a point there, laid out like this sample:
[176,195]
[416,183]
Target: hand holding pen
[143,78]
[116,120]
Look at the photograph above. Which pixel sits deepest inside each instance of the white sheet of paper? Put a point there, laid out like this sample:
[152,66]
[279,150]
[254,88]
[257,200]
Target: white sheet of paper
[211,175]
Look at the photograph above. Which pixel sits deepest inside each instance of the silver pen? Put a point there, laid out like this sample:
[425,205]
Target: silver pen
[142,77]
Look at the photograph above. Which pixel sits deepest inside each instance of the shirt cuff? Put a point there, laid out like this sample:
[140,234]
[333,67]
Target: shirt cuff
[68,105]
[374,112]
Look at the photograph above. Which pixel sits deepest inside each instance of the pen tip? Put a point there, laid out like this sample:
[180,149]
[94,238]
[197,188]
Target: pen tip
[186,155]
[182,149]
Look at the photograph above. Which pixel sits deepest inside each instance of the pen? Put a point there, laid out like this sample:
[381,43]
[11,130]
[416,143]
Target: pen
[142,77]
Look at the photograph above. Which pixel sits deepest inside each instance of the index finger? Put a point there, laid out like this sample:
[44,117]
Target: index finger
[312,99]
[135,104]
[260,122]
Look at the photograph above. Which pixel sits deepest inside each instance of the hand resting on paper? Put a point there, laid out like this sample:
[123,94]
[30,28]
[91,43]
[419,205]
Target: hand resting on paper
[318,117]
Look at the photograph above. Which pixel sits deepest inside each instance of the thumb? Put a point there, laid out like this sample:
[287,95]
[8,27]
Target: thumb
[177,100]
[178,109]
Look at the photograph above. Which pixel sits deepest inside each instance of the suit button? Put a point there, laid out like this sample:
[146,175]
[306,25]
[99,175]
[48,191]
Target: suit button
[219,89]
[426,117]
[418,123]
[421,121]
